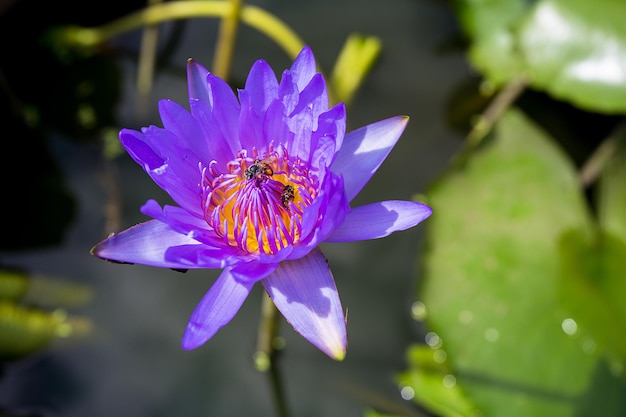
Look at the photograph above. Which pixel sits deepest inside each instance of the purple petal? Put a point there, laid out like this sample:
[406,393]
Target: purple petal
[323,216]
[331,128]
[135,144]
[275,123]
[178,218]
[377,220]
[251,129]
[218,306]
[183,222]
[303,120]
[261,86]
[313,96]
[185,127]
[178,174]
[305,293]
[149,243]
[364,150]
[301,124]
[219,98]
[197,83]
[303,68]
[253,271]
[288,92]
[225,110]
[218,147]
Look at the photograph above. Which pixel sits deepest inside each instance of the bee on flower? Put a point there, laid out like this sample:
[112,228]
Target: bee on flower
[260,180]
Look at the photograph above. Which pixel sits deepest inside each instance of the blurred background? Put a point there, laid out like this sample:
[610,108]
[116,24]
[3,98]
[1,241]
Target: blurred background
[452,329]
[60,187]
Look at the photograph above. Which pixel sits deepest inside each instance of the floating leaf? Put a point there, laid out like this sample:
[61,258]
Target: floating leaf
[492,271]
[592,288]
[593,283]
[431,379]
[572,49]
[575,50]
[490,24]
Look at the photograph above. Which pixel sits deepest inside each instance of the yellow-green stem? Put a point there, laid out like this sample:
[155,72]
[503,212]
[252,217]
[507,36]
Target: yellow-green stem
[252,16]
[147,57]
[226,41]
[268,331]
[265,355]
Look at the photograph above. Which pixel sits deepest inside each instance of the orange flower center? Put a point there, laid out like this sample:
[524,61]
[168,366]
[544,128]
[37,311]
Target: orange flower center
[258,204]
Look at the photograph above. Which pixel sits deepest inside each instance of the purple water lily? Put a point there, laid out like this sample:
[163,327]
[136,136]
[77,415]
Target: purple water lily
[260,182]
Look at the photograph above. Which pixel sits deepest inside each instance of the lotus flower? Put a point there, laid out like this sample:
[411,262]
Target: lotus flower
[259,182]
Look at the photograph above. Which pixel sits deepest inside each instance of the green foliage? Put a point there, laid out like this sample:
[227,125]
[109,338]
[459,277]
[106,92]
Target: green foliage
[430,378]
[31,313]
[572,49]
[524,274]
[523,291]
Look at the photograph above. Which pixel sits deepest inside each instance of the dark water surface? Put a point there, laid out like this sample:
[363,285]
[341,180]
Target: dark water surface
[133,365]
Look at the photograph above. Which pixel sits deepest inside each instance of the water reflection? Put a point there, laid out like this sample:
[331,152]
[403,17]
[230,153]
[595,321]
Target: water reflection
[569,326]
[433,340]
[418,311]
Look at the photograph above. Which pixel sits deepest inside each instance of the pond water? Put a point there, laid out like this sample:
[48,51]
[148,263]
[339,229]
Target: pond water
[132,364]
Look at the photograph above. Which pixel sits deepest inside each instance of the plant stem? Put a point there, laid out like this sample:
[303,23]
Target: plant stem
[253,16]
[503,100]
[594,165]
[147,56]
[265,355]
[226,40]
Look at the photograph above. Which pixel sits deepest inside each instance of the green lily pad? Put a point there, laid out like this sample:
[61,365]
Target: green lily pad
[575,50]
[431,380]
[490,24]
[593,283]
[572,49]
[492,270]
[592,288]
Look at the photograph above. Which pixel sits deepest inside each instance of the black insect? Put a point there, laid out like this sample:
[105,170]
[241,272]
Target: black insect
[289,193]
[260,168]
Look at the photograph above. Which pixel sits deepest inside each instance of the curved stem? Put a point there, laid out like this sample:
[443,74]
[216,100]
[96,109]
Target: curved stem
[273,28]
[226,41]
[253,16]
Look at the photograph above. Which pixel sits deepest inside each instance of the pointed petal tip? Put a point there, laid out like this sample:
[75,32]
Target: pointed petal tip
[99,249]
[427,211]
[218,306]
[305,51]
[194,66]
[337,353]
[332,341]
[192,338]
[311,302]
[402,120]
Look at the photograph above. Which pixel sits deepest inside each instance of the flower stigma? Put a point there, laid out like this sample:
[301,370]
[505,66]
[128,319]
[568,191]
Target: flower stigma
[258,203]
